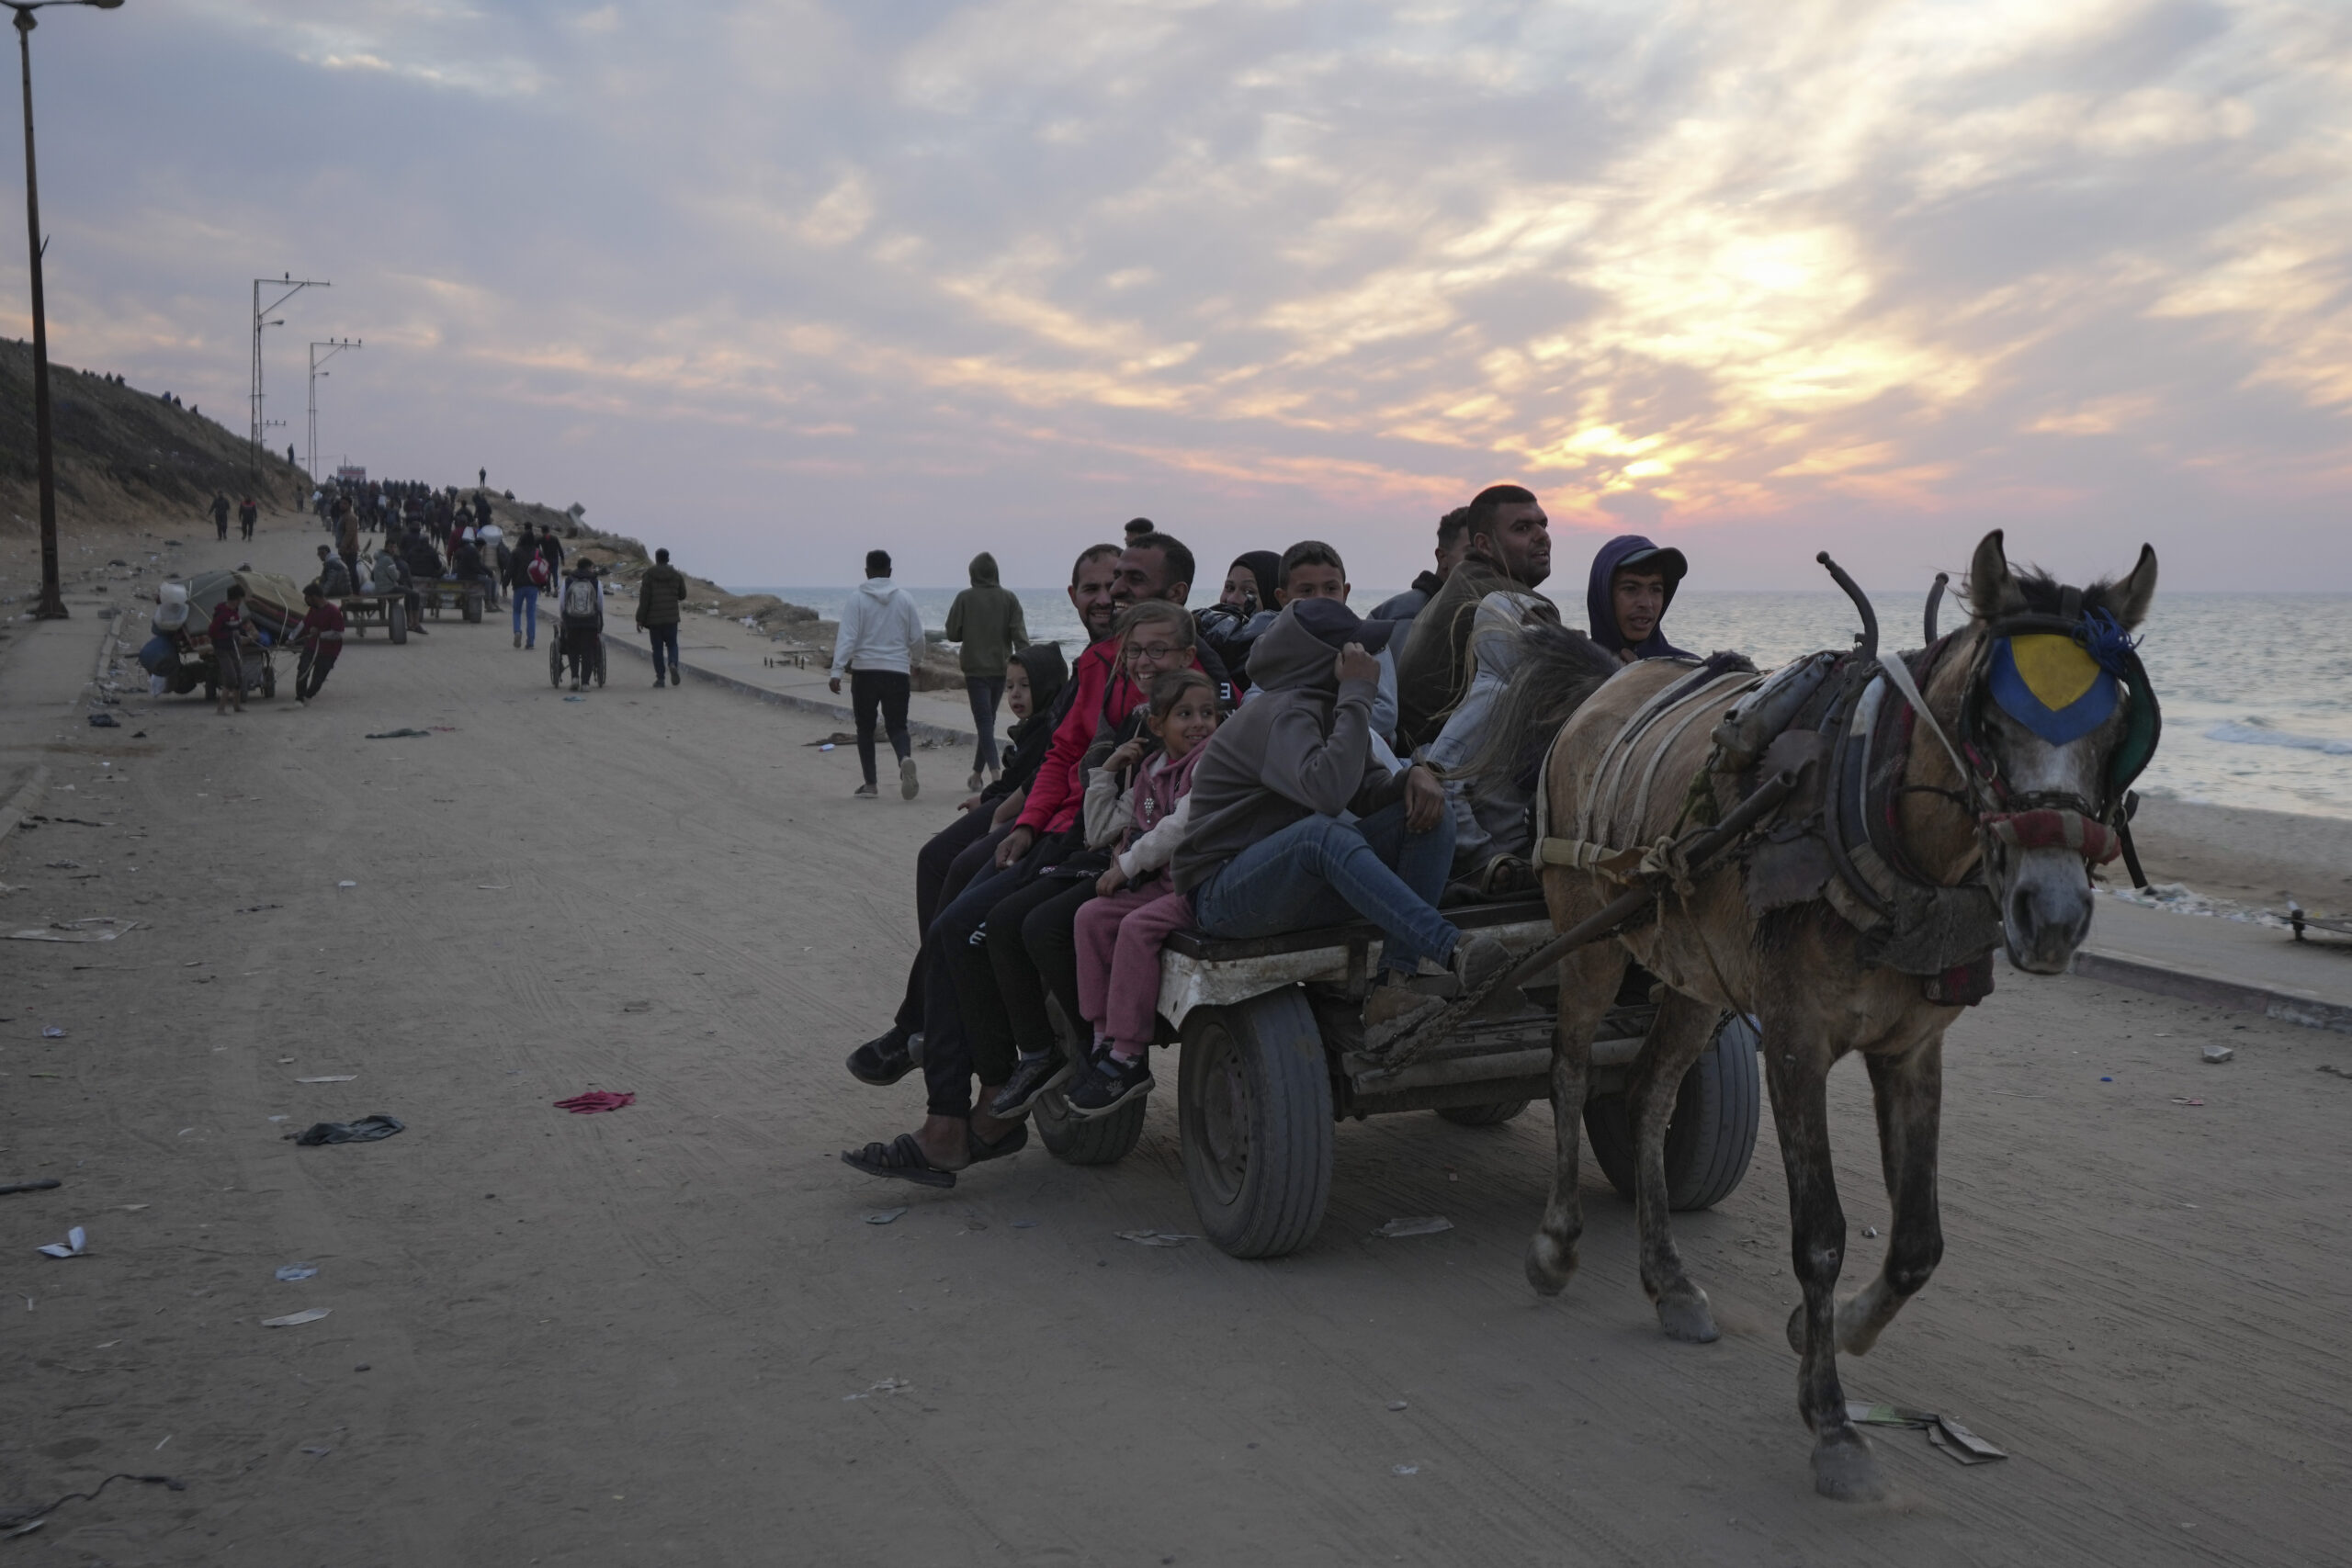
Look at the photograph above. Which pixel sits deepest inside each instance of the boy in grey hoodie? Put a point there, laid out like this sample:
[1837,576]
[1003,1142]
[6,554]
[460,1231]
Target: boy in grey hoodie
[1267,851]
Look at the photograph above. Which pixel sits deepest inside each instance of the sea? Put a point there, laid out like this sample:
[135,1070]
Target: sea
[2256,689]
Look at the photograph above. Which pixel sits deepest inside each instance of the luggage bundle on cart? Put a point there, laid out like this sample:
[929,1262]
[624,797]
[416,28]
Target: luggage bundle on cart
[180,650]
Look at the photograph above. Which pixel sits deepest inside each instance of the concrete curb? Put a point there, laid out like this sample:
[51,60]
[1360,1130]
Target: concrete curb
[2209,990]
[939,734]
[20,805]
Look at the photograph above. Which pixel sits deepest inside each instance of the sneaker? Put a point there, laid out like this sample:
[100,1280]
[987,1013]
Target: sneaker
[518,639]
[658,682]
[972,784]
[866,792]
[1392,1009]
[1107,1084]
[1477,959]
[1032,1076]
[883,1060]
[908,787]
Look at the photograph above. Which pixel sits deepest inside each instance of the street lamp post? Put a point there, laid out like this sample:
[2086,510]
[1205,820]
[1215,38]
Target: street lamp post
[333,347]
[52,606]
[292,286]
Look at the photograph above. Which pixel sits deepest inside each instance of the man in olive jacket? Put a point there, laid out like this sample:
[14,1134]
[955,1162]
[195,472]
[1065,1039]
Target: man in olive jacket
[660,593]
[987,620]
[1510,552]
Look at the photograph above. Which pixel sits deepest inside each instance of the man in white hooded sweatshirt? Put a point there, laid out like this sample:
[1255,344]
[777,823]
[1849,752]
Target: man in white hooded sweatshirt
[881,637]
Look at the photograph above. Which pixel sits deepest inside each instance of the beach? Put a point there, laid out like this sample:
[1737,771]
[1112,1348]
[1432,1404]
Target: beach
[684,1330]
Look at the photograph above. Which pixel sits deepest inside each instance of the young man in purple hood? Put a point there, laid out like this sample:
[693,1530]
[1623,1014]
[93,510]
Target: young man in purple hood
[1632,584]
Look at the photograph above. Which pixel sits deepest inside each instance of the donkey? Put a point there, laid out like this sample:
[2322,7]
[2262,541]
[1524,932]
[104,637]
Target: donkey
[2022,813]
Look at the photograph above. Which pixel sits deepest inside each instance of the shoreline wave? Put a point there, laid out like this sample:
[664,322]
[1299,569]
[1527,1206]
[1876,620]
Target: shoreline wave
[2257,733]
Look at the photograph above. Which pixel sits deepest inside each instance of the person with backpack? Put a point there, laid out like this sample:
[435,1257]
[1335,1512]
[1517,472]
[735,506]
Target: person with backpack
[583,609]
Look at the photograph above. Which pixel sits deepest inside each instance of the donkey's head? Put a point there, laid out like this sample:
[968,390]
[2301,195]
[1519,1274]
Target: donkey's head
[2059,719]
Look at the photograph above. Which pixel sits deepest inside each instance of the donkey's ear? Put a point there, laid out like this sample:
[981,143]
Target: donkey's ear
[1992,592]
[2129,600]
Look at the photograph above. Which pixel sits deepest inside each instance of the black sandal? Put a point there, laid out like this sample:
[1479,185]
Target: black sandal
[1012,1142]
[902,1157]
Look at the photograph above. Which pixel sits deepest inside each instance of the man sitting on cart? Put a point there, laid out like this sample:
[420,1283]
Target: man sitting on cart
[334,578]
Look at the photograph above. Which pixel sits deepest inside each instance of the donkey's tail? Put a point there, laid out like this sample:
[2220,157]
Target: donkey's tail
[1557,671]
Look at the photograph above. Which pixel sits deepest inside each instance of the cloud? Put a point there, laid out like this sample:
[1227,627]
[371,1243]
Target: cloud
[1865,272]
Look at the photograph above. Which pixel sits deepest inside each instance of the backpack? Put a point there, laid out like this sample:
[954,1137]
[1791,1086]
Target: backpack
[537,571]
[580,599]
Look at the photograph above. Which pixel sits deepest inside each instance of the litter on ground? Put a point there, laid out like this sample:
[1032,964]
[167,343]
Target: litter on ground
[596,1099]
[366,1130]
[75,1244]
[296,1319]
[1417,1224]
[1156,1238]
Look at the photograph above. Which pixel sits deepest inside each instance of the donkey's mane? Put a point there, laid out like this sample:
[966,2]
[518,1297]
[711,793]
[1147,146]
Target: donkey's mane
[2044,594]
[1558,668]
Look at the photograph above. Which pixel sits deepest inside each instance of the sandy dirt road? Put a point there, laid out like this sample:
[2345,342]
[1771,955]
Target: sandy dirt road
[669,1334]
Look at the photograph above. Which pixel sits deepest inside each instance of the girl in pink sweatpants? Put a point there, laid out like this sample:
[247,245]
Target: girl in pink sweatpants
[1121,928]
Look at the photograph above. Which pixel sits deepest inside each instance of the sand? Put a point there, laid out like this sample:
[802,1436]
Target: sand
[669,1333]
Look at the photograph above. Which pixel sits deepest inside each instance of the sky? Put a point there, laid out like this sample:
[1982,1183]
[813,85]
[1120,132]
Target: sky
[775,282]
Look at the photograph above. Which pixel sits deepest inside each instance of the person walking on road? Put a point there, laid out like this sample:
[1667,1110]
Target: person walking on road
[582,607]
[219,514]
[526,573]
[660,593]
[986,619]
[246,515]
[321,634]
[881,640]
[228,634]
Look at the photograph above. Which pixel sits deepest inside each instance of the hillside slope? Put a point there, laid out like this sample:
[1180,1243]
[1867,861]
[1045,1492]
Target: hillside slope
[122,455]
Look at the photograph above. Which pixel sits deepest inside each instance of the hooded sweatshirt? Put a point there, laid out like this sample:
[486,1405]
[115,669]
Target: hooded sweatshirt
[987,620]
[881,629]
[1301,747]
[1601,609]
[1026,742]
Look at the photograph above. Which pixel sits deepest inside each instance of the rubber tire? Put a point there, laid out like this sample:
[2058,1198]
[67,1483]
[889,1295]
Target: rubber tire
[1105,1140]
[1254,1100]
[473,609]
[1713,1133]
[396,621]
[1493,1116]
[555,660]
[268,682]
[599,662]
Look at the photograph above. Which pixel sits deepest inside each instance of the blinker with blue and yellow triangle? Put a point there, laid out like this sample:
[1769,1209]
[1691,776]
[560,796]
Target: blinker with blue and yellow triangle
[2051,686]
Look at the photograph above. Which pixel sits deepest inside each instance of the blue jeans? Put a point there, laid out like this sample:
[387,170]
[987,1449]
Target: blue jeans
[526,603]
[665,637]
[986,692]
[1324,871]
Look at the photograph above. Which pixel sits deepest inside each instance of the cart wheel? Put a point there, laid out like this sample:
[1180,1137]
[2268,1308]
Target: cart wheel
[1105,1140]
[1254,1099]
[396,618]
[268,682]
[555,659]
[1493,1116]
[600,663]
[473,609]
[1712,1133]
[211,690]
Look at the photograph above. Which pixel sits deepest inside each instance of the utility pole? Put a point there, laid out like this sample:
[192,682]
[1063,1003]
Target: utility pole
[51,603]
[333,347]
[292,286]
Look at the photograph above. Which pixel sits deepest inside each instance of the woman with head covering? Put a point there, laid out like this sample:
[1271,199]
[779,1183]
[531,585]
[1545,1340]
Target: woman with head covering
[1243,609]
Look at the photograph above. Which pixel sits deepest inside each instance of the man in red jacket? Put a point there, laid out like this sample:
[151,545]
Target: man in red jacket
[1153,565]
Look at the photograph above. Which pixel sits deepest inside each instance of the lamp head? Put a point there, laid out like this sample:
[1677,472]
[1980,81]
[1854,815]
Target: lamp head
[105,4]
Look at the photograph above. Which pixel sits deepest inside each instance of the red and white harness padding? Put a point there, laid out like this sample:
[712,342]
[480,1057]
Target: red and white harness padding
[2051,828]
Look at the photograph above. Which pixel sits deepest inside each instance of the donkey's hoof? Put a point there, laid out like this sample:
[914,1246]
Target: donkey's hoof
[1683,1315]
[1550,1261]
[1844,1469]
[1797,1329]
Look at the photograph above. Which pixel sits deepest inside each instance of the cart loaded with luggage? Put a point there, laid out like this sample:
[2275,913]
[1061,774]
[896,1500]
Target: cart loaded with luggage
[178,651]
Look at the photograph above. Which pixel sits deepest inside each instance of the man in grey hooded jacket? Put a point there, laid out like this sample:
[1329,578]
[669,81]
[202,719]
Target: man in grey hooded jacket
[986,619]
[1268,849]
